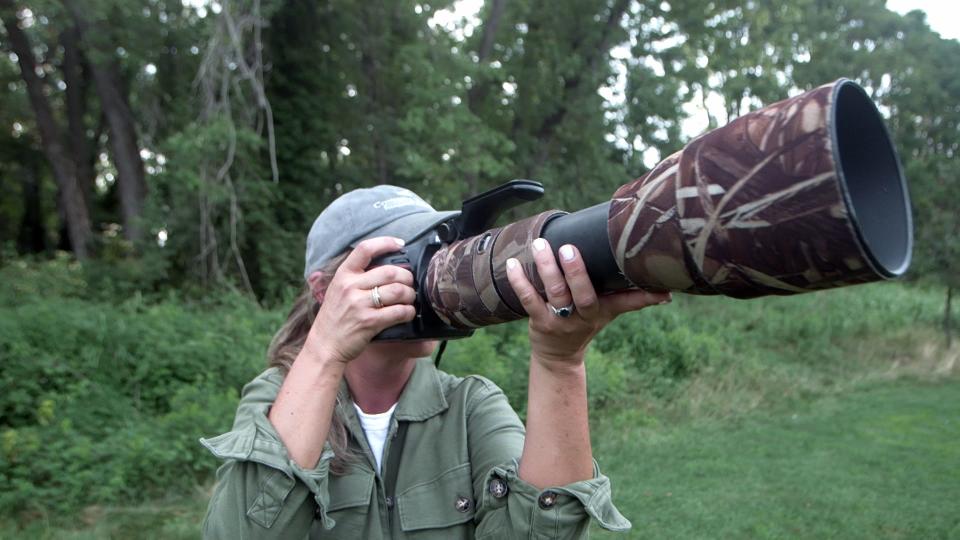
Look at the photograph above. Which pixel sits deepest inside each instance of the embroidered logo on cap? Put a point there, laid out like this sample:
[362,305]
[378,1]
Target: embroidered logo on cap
[399,202]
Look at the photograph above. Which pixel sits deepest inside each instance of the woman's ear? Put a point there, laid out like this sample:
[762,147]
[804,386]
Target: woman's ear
[318,285]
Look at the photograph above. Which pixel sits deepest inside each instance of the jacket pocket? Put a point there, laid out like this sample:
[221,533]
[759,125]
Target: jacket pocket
[349,502]
[444,501]
[272,492]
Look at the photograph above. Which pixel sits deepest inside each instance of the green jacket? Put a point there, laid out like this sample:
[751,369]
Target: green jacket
[457,476]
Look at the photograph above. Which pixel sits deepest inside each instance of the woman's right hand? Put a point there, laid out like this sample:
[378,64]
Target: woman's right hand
[348,319]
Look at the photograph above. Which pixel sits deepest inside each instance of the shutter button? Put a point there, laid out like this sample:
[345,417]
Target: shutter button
[389,501]
[498,488]
[547,499]
[462,504]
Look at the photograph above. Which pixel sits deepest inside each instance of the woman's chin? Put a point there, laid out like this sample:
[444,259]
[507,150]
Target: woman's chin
[406,349]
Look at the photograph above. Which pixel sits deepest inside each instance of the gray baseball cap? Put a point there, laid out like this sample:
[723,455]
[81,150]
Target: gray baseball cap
[366,213]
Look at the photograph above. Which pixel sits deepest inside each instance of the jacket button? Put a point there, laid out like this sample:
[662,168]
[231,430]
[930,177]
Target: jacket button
[389,501]
[462,504]
[498,488]
[547,499]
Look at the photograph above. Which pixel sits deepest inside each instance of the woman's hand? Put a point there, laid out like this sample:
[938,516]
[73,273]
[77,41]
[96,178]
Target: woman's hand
[345,324]
[348,318]
[556,339]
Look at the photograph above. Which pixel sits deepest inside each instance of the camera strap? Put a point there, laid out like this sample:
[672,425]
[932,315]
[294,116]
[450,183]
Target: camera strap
[443,347]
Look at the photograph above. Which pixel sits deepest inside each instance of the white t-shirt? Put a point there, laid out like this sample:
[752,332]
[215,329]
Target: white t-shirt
[376,426]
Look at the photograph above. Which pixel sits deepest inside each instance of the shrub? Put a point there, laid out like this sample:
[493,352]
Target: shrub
[104,402]
[105,392]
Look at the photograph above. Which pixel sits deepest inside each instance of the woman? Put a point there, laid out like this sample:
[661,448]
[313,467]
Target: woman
[347,438]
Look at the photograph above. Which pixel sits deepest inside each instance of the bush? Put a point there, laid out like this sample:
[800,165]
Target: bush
[106,391]
[502,354]
[104,402]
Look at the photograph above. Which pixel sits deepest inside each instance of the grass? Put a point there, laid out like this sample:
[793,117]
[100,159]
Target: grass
[832,414]
[879,462]
[175,519]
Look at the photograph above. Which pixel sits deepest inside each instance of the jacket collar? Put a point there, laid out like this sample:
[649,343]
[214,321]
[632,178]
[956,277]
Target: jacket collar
[421,398]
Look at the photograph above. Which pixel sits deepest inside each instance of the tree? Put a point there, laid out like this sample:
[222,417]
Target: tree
[253,117]
[76,78]
[749,54]
[71,195]
[124,141]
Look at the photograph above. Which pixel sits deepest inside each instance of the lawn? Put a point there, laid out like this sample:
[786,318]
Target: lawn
[879,462]
[833,414]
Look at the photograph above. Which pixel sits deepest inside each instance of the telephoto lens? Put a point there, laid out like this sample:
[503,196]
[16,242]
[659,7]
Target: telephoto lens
[802,195]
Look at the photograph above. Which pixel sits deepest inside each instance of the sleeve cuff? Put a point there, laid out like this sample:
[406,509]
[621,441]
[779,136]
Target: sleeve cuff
[590,497]
[257,441]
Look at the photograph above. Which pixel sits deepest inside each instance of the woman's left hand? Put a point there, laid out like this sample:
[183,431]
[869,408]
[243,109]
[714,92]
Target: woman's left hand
[564,339]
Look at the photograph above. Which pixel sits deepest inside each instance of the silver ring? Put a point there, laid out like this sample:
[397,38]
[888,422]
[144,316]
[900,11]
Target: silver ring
[375,293]
[562,312]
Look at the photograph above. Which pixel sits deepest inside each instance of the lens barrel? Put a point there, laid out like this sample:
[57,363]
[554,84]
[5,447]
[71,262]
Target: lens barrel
[802,195]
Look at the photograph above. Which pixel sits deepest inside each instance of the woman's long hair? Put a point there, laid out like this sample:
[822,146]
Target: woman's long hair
[286,345]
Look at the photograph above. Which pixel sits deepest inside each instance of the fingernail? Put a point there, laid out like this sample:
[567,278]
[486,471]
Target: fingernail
[539,244]
[512,263]
[567,252]
[667,301]
[400,242]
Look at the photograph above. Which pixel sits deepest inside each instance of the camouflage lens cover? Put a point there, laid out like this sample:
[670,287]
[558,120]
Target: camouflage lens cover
[514,242]
[467,283]
[750,209]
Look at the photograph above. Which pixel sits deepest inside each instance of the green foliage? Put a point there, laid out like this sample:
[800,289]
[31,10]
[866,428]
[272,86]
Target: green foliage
[239,211]
[365,93]
[113,277]
[106,400]
[25,280]
[113,369]
[106,396]
[502,354]
[607,380]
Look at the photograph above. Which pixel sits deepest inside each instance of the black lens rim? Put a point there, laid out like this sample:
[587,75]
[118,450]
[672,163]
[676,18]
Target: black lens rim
[850,99]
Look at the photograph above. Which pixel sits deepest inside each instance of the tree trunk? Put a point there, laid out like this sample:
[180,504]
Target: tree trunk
[124,145]
[32,237]
[76,94]
[71,197]
[479,91]
[131,183]
[378,102]
[481,87]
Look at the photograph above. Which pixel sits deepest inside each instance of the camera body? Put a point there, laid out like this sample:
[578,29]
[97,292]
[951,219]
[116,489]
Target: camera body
[477,214]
